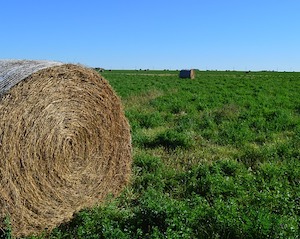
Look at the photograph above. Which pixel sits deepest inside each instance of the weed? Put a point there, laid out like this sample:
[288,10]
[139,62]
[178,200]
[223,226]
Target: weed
[6,233]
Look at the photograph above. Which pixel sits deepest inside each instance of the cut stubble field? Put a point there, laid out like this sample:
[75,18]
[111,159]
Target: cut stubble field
[214,157]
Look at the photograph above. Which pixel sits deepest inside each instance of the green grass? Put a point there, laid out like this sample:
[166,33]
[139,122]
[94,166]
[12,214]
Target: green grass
[214,157]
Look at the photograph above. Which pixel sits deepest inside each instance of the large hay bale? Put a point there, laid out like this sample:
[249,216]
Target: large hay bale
[187,74]
[64,143]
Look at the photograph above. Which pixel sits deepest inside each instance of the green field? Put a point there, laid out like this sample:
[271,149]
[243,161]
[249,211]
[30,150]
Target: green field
[214,157]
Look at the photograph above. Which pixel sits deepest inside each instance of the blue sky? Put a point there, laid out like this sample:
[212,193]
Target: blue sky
[156,34]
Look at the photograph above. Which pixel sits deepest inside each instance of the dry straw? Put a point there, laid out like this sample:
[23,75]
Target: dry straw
[64,145]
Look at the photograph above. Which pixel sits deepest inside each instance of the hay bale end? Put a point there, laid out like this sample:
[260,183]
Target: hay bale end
[65,143]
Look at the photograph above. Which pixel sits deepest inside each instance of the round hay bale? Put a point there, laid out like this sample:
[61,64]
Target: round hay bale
[65,143]
[187,74]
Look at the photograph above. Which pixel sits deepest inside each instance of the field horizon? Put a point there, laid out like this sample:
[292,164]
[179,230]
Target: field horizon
[197,69]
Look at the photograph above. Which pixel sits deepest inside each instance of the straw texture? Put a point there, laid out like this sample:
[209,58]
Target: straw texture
[14,71]
[64,145]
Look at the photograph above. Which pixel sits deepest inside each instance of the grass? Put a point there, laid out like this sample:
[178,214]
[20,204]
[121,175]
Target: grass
[214,157]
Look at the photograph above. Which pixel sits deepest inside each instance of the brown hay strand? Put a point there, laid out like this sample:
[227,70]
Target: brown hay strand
[64,145]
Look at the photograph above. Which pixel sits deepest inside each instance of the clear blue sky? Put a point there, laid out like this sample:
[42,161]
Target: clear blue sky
[155,34]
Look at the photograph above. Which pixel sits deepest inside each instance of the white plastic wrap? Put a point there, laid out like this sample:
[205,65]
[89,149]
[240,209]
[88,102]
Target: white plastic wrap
[14,71]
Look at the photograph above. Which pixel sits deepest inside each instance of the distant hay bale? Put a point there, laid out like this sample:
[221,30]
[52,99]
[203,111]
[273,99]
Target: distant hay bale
[187,74]
[99,69]
[64,143]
